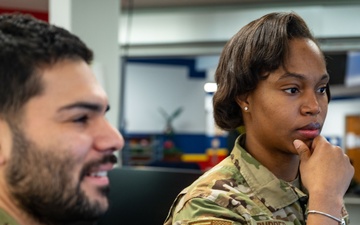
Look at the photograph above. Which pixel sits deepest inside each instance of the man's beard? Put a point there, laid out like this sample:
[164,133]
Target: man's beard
[42,183]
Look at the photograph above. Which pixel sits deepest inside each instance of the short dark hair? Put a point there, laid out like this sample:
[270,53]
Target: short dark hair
[257,49]
[28,45]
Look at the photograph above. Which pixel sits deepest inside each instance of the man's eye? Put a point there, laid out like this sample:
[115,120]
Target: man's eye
[82,119]
[292,90]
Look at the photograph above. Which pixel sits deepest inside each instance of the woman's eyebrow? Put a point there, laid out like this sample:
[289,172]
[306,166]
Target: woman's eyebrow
[300,76]
[291,75]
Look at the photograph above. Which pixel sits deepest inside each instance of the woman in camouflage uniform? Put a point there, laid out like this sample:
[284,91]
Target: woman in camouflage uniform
[271,79]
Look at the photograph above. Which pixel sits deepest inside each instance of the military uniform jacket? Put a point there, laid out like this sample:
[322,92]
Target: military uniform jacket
[5,219]
[239,190]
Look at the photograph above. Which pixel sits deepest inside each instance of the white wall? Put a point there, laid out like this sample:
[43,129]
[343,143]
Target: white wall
[149,86]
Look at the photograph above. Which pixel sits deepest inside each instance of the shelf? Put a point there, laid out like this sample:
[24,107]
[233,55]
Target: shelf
[341,91]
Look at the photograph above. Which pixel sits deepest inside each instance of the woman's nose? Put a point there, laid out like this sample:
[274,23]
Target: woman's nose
[310,105]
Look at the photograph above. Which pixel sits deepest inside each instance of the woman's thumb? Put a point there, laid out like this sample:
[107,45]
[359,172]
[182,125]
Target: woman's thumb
[302,149]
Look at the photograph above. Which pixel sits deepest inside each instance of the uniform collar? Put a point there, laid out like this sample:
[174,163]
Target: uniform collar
[273,192]
[6,219]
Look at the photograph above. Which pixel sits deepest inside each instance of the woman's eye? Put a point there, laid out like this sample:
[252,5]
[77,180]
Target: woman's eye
[322,90]
[292,90]
[82,119]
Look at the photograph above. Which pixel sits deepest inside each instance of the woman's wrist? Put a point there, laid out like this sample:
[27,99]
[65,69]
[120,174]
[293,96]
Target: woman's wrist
[339,220]
[326,203]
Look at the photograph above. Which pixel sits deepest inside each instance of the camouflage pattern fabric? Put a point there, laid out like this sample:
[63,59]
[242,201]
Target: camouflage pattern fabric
[239,190]
[5,219]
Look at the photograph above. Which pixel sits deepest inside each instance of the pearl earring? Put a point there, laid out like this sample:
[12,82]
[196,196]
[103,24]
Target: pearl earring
[246,108]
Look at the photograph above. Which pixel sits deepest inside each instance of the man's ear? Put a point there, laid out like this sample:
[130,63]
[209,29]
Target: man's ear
[5,141]
[2,154]
[2,159]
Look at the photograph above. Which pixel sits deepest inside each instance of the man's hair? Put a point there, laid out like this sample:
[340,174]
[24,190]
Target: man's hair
[27,46]
[249,56]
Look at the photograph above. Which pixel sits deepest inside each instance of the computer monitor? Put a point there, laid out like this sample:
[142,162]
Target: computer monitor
[141,196]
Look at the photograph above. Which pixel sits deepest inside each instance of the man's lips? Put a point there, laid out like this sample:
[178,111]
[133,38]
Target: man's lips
[98,175]
[99,169]
[310,131]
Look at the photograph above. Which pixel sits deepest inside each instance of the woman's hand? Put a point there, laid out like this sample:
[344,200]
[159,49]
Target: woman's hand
[326,172]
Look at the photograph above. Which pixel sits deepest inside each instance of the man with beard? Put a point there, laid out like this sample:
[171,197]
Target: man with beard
[56,145]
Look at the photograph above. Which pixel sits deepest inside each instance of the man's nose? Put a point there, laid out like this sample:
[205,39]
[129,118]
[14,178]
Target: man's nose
[108,138]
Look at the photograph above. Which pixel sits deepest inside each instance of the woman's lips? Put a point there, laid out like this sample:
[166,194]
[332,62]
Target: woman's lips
[310,131]
[309,134]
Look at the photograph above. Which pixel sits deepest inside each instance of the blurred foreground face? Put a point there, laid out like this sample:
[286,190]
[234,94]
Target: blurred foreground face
[63,146]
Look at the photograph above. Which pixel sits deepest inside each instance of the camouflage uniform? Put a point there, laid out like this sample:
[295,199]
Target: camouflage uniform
[239,190]
[5,219]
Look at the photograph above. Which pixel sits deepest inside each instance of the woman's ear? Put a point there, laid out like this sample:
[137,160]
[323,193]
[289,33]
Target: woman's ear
[242,101]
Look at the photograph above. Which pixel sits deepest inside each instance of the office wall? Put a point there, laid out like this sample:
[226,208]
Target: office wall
[150,86]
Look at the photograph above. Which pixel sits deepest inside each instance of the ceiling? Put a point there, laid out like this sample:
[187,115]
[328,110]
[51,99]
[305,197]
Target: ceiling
[42,5]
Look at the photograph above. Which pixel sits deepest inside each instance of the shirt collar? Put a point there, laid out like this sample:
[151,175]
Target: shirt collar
[275,193]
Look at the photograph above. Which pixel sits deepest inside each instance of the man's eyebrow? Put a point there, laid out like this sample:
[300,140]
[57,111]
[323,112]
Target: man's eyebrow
[300,76]
[86,105]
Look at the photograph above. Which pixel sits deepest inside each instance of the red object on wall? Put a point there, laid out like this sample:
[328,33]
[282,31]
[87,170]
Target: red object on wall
[39,15]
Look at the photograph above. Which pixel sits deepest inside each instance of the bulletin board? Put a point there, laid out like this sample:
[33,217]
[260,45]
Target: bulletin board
[352,146]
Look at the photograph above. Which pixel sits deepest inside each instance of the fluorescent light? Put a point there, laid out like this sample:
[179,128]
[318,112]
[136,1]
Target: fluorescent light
[210,87]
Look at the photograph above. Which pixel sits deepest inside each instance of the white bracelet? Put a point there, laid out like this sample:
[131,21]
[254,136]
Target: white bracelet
[339,220]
